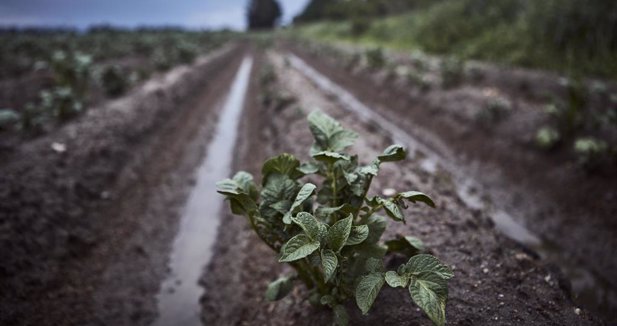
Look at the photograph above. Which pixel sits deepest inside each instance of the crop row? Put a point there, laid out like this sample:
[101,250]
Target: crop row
[581,115]
[77,70]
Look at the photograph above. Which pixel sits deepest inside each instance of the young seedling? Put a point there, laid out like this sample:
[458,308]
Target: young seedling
[547,138]
[591,151]
[331,234]
[495,111]
[8,118]
[114,80]
[375,58]
[452,72]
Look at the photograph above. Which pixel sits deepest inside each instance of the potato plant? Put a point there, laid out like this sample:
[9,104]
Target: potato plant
[8,118]
[114,80]
[72,70]
[452,72]
[495,111]
[375,58]
[547,137]
[61,102]
[591,151]
[331,234]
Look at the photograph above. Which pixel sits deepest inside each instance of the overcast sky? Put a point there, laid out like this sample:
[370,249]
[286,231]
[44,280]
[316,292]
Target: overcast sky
[82,13]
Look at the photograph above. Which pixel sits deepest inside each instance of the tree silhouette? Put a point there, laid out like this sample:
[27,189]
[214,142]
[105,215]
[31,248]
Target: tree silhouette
[263,14]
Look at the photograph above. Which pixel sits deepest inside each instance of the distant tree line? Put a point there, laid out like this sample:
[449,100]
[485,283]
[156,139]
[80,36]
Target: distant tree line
[263,14]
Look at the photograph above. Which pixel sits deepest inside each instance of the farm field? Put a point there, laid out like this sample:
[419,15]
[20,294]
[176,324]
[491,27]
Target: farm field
[114,144]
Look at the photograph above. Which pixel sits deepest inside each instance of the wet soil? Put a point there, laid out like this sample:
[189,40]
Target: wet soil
[497,282]
[89,211]
[19,91]
[547,192]
[178,299]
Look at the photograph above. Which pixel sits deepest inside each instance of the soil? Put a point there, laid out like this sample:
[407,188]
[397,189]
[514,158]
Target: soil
[87,228]
[89,211]
[498,281]
[548,192]
[19,91]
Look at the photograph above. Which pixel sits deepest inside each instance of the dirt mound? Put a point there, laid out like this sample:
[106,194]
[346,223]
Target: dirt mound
[65,199]
[496,280]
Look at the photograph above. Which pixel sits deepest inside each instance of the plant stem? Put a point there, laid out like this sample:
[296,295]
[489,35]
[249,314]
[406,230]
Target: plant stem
[332,173]
[366,188]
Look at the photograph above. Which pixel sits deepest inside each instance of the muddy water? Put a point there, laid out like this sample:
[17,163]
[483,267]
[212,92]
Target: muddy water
[178,299]
[588,288]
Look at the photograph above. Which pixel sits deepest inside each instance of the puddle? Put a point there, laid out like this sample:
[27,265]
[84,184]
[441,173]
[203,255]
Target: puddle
[588,288]
[178,300]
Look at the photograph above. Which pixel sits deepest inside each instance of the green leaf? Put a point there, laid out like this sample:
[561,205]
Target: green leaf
[228,187]
[340,315]
[395,280]
[367,290]
[416,196]
[241,193]
[328,133]
[305,192]
[350,177]
[430,292]
[8,117]
[375,250]
[392,209]
[330,157]
[373,202]
[298,247]
[372,169]
[373,265]
[393,153]
[358,235]
[324,212]
[409,246]
[277,193]
[309,224]
[427,263]
[327,300]
[377,226]
[415,242]
[308,168]
[329,262]
[236,207]
[282,206]
[279,289]
[339,233]
[285,164]
[277,188]
[244,180]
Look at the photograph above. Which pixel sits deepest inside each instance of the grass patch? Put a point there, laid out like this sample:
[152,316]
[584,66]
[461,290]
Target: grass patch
[507,32]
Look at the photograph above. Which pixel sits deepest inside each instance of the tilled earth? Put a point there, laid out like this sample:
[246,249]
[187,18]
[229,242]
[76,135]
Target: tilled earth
[497,280]
[548,192]
[87,224]
[89,211]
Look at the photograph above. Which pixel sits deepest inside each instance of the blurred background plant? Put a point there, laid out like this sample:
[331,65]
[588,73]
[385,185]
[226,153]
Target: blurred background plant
[74,70]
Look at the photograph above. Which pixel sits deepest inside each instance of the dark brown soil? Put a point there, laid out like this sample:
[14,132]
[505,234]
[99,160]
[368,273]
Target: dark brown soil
[548,192]
[497,282]
[19,91]
[87,230]
[88,212]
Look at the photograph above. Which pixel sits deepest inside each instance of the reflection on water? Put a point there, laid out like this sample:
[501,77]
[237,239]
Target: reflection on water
[588,288]
[179,296]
